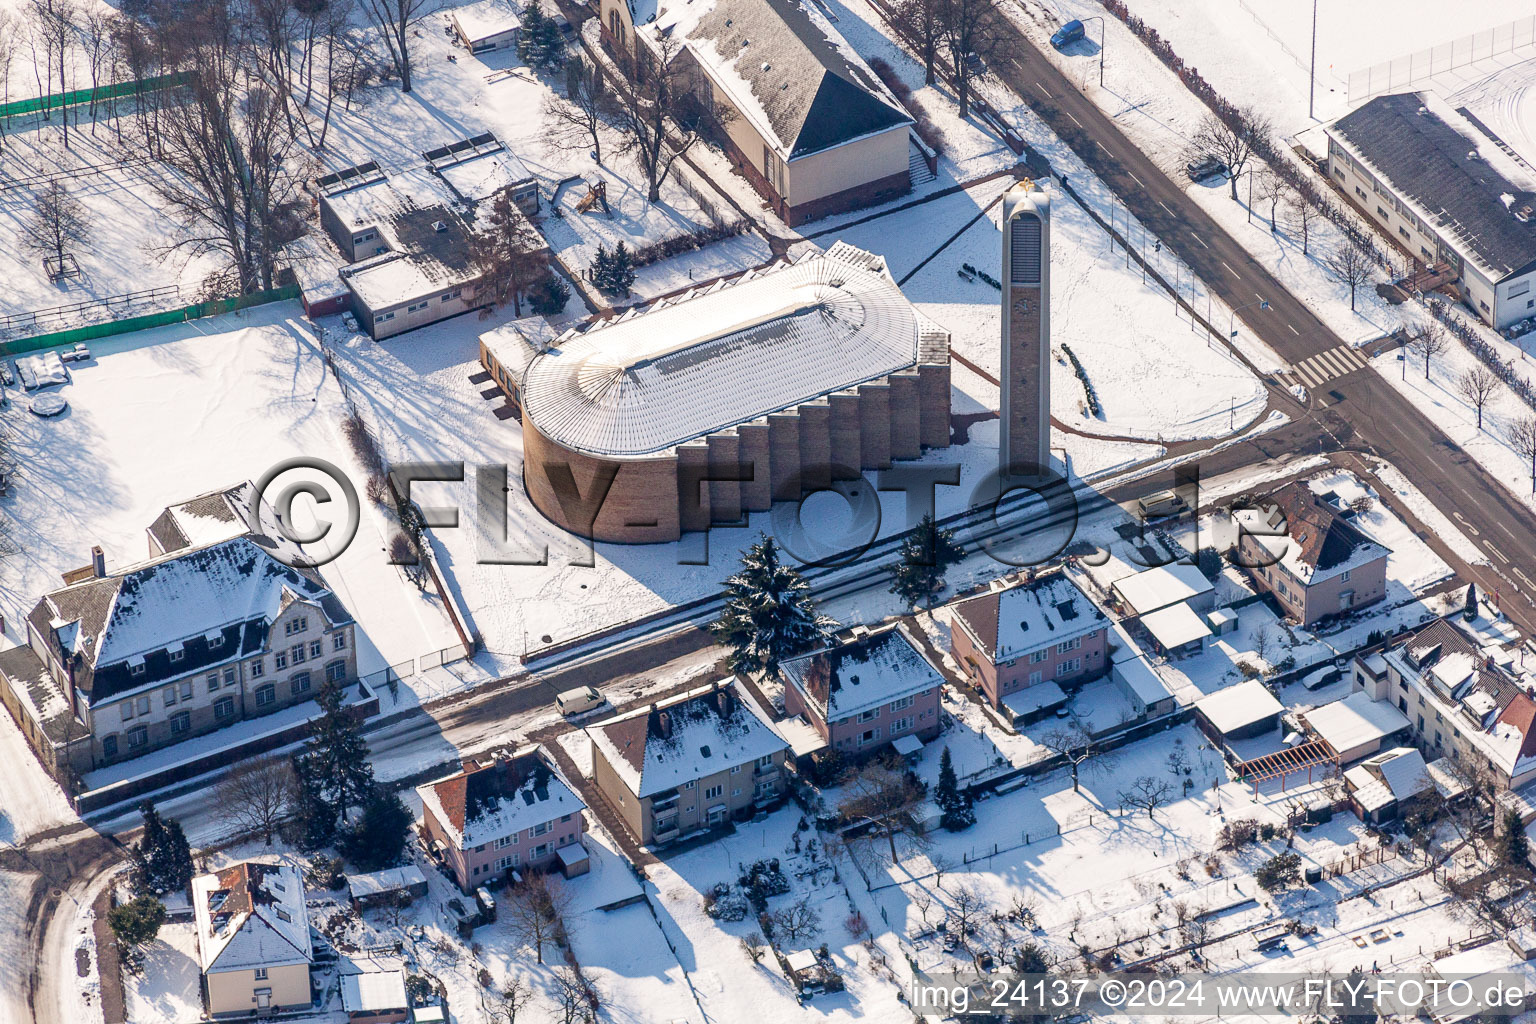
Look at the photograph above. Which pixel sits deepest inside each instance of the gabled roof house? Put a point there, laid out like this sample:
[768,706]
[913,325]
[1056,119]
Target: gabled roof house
[253,939]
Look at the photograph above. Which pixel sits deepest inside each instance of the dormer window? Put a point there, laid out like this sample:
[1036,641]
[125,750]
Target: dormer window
[216,641]
[136,668]
[177,653]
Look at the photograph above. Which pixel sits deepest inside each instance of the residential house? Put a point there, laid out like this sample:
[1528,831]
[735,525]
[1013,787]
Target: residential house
[1020,645]
[866,692]
[1356,726]
[1305,549]
[511,812]
[1382,786]
[807,122]
[210,631]
[1466,696]
[253,939]
[1163,586]
[694,761]
[1446,190]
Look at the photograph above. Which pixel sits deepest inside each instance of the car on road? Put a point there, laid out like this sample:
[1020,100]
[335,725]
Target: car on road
[579,701]
[1160,504]
[1204,167]
[1068,34]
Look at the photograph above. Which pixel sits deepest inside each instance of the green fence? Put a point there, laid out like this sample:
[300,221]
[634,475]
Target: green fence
[127,325]
[54,101]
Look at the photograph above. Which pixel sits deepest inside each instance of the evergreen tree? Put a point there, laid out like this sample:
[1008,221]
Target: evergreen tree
[336,757]
[312,819]
[549,296]
[161,859]
[955,810]
[539,42]
[1512,848]
[506,251]
[613,272]
[926,555]
[377,839]
[769,614]
[135,924]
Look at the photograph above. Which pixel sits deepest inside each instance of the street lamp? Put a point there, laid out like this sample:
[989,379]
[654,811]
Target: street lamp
[1100,20]
[1232,324]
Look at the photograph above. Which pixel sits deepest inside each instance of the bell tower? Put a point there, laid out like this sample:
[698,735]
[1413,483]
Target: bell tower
[1025,428]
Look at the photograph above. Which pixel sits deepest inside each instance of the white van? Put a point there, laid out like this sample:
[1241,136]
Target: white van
[1162,503]
[579,700]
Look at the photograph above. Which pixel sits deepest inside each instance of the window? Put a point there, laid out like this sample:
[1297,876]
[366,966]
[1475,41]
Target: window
[186,690]
[901,725]
[169,696]
[297,624]
[1338,172]
[265,695]
[867,716]
[144,704]
[181,723]
[224,708]
[339,642]
[257,668]
[138,736]
[1383,214]
[178,653]
[1066,668]
[299,683]
[109,747]
[335,672]
[280,660]
[1344,576]
[316,649]
[504,842]
[298,654]
[383,317]
[714,792]
[213,681]
[415,306]
[688,784]
[127,710]
[1403,231]
[136,669]
[870,735]
[1038,656]
[1035,677]
[1360,192]
[1069,645]
[229,677]
[261,974]
[1426,253]
[735,769]
[902,703]
[505,862]
[544,826]
[449,296]
[216,641]
[765,761]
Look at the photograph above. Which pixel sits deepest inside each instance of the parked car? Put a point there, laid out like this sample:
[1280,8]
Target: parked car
[1204,167]
[1159,504]
[1068,34]
[579,700]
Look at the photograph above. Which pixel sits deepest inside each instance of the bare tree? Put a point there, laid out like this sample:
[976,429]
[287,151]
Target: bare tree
[536,908]
[394,19]
[10,39]
[1428,343]
[1522,438]
[1233,144]
[965,26]
[507,253]
[922,21]
[753,945]
[966,904]
[58,222]
[571,995]
[1304,214]
[54,26]
[884,797]
[1272,189]
[1478,386]
[1351,265]
[1146,794]
[797,921]
[577,122]
[659,112]
[1075,745]
[503,1006]
[255,795]
[97,39]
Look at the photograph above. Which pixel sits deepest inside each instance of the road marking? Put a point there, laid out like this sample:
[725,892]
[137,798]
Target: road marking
[1165,206]
[1524,578]
[1074,120]
[1475,531]
[1293,330]
[1201,241]
[1308,374]
[1231,271]
[1042,89]
[1336,366]
[1489,545]
[1135,179]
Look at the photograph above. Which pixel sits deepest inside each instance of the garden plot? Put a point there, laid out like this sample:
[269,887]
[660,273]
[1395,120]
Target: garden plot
[162,416]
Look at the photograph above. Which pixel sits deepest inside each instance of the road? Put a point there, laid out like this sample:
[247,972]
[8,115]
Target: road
[1359,410]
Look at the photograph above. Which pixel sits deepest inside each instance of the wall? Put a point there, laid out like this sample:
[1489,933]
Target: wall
[231,992]
[479,864]
[997,681]
[848,735]
[448,300]
[849,166]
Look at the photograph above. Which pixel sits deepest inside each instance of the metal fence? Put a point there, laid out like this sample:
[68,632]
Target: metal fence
[111,306]
[75,98]
[1407,72]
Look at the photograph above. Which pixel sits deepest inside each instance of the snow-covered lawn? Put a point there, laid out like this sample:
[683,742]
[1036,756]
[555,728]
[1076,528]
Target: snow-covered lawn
[161,416]
[167,989]
[32,800]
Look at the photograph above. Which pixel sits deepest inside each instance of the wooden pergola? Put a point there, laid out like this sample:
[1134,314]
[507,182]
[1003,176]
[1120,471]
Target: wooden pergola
[1283,762]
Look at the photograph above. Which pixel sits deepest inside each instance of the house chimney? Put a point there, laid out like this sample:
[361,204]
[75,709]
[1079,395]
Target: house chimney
[98,562]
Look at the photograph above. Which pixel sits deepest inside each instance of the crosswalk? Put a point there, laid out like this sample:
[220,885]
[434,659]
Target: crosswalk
[1325,366]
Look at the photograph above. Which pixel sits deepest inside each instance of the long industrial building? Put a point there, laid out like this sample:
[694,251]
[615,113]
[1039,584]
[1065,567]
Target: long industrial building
[801,374]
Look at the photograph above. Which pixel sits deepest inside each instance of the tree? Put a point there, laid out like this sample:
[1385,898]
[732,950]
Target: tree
[54,26]
[957,814]
[659,113]
[1522,438]
[255,795]
[967,903]
[753,945]
[1147,794]
[927,553]
[1234,142]
[536,909]
[769,614]
[798,921]
[507,254]
[311,822]
[1511,846]
[161,859]
[136,923]
[1478,386]
[539,43]
[377,839]
[336,756]
[393,19]
[503,1006]
[1428,343]
[1178,761]
[1208,561]
[550,295]
[1074,744]
[1281,871]
[1305,214]
[1272,189]
[965,28]
[613,271]
[57,224]
[921,21]
[575,995]
[577,122]
[1351,265]
[884,797]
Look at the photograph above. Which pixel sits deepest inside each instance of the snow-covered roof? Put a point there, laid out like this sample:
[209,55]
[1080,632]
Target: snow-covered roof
[1354,721]
[862,674]
[1308,536]
[251,915]
[1161,586]
[496,798]
[376,883]
[645,382]
[1239,705]
[374,991]
[1009,623]
[515,343]
[1142,679]
[1175,626]
[1452,172]
[486,18]
[206,519]
[478,168]
[1044,694]
[693,735]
